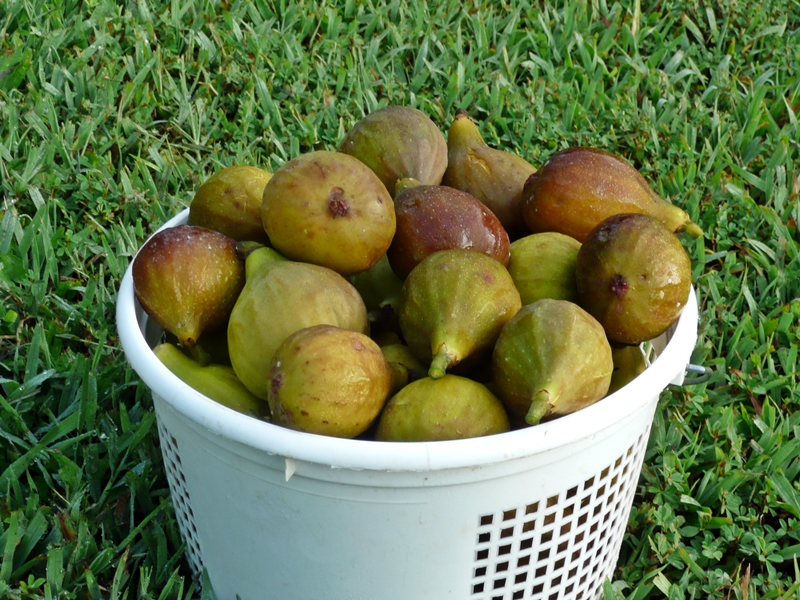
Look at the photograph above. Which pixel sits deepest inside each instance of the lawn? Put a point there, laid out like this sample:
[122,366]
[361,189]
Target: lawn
[111,115]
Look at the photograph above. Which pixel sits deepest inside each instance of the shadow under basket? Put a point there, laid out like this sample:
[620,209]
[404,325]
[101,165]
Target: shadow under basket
[274,513]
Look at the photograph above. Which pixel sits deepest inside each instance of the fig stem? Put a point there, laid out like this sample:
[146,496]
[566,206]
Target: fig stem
[693,229]
[439,365]
[540,407]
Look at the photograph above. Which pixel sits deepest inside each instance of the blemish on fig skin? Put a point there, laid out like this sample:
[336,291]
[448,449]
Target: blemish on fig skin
[619,286]
[276,384]
[487,277]
[337,205]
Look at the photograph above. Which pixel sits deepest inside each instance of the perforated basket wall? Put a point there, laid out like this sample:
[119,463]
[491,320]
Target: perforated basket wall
[561,547]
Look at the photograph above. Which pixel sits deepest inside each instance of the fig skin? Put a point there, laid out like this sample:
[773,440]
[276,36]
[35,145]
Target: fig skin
[230,202]
[397,142]
[579,187]
[453,305]
[328,209]
[550,360]
[439,217]
[187,279]
[405,366]
[634,277]
[542,265]
[217,382]
[449,408]
[279,298]
[494,176]
[629,363]
[329,381]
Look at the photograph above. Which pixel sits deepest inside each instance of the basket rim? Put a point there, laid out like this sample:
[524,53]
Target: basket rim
[397,456]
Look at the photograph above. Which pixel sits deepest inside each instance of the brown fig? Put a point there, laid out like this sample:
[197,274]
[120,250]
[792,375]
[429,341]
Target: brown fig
[550,360]
[187,279]
[328,209]
[633,276]
[397,142]
[579,187]
[439,217]
[230,202]
[453,305]
[494,176]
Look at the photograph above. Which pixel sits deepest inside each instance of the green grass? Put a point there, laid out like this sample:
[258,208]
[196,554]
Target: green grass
[112,113]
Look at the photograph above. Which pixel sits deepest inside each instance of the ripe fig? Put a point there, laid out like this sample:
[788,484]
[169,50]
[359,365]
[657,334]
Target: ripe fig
[328,209]
[550,360]
[579,187]
[542,265]
[448,408]
[494,176]
[329,381]
[629,363]
[453,305]
[633,276]
[379,286]
[398,142]
[230,202]
[405,366]
[279,298]
[187,280]
[439,217]
[217,382]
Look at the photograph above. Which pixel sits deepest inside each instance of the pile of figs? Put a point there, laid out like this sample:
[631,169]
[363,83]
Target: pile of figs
[415,287]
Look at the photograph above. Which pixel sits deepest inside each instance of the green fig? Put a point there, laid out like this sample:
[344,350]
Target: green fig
[629,363]
[550,360]
[405,366]
[329,381]
[279,298]
[230,202]
[217,382]
[633,276]
[329,209]
[398,142]
[494,176]
[542,265]
[453,305]
[187,279]
[579,187]
[448,408]
[379,287]
[439,217]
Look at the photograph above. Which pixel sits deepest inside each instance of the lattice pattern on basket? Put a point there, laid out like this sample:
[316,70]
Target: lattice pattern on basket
[180,498]
[562,547]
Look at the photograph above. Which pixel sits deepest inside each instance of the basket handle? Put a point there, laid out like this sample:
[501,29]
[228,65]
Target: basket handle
[696,374]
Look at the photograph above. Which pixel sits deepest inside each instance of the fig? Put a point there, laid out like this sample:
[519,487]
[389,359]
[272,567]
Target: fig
[542,265]
[439,217]
[230,202]
[494,176]
[379,287]
[633,276]
[453,305]
[629,363]
[448,408]
[579,187]
[405,366]
[279,298]
[329,381]
[551,360]
[214,381]
[187,279]
[396,142]
[329,209]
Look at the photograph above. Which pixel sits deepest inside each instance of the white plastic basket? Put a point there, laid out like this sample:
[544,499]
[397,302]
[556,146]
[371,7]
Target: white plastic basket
[275,513]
